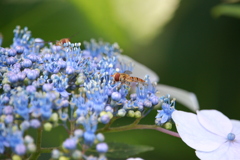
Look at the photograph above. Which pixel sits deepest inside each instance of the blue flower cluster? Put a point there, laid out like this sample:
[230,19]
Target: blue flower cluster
[165,114]
[64,84]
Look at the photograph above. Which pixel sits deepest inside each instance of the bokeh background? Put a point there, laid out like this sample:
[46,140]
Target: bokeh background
[193,45]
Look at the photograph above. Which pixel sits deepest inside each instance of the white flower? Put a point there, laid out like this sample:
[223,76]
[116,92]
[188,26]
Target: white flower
[188,99]
[213,135]
[135,159]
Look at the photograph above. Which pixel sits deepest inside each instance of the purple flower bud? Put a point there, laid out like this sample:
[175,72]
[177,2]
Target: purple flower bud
[89,137]
[25,125]
[133,96]
[11,52]
[116,96]
[47,57]
[47,87]
[102,147]
[6,87]
[7,110]
[70,70]
[32,74]
[147,103]
[20,149]
[12,77]
[109,109]
[31,89]
[19,49]
[26,63]
[35,123]
[65,103]
[100,137]
[78,133]
[105,118]
[17,66]
[11,60]
[70,143]
[154,100]
[62,63]
[33,57]
[8,119]
[5,100]
[21,76]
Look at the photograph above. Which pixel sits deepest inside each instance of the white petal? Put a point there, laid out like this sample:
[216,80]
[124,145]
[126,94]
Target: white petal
[236,128]
[227,151]
[188,99]
[193,134]
[139,70]
[215,122]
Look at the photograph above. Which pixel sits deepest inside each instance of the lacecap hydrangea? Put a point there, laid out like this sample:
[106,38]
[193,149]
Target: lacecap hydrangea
[47,85]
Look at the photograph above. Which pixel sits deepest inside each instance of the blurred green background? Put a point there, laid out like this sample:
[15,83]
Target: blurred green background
[182,41]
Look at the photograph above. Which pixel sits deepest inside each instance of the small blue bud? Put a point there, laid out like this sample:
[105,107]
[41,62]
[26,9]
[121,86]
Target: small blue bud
[147,103]
[100,137]
[77,154]
[13,78]
[19,49]
[62,63]
[47,87]
[105,118]
[133,96]
[116,96]
[21,76]
[5,100]
[20,149]
[89,137]
[25,125]
[35,123]
[8,119]
[102,147]
[26,63]
[70,143]
[31,89]
[6,87]
[11,60]
[70,70]
[154,100]
[109,109]
[11,52]
[231,136]
[31,75]
[78,133]
[55,154]
[7,110]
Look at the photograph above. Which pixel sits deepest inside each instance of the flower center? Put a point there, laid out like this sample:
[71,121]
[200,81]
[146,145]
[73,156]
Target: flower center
[231,136]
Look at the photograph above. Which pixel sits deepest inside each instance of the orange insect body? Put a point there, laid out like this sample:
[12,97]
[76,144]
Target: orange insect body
[62,41]
[123,77]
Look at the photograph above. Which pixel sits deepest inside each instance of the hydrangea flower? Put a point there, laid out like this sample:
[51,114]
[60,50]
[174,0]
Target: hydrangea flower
[213,135]
[44,86]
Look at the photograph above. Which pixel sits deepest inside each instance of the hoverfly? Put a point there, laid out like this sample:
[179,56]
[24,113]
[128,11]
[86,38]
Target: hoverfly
[62,41]
[125,77]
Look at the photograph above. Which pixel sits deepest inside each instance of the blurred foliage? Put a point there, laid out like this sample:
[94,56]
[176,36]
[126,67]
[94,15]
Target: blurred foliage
[227,9]
[193,51]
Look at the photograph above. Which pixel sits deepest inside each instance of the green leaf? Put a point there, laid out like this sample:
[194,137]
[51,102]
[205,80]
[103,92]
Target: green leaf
[122,150]
[232,10]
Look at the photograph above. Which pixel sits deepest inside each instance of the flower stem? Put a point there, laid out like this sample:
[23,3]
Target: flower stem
[139,126]
[37,153]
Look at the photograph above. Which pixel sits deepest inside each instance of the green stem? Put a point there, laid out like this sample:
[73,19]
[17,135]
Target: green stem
[72,127]
[139,126]
[37,153]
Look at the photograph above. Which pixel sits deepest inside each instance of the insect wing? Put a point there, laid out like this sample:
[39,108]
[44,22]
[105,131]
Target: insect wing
[127,72]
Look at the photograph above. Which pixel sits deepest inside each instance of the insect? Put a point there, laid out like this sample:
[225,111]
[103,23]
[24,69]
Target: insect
[125,77]
[62,41]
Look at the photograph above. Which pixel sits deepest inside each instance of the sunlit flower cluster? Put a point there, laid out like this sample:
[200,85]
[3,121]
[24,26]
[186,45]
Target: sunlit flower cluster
[47,86]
